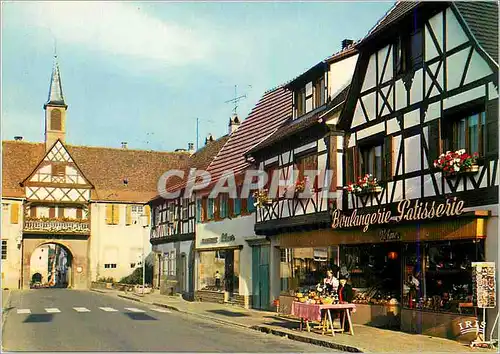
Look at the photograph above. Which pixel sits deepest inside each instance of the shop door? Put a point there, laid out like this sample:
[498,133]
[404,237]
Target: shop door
[229,272]
[260,277]
[182,275]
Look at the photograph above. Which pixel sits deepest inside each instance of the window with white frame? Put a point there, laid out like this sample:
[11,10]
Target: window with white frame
[4,249]
[137,211]
[169,267]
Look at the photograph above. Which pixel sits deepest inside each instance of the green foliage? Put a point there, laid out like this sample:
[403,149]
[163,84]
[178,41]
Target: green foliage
[136,276]
[106,280]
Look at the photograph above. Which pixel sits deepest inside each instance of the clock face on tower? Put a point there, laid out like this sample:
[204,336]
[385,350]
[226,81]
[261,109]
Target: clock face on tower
[55,119]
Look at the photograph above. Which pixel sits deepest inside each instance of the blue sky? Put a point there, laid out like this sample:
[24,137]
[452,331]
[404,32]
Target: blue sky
[143,72]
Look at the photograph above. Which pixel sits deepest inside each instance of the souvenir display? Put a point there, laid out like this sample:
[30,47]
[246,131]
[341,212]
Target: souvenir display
[483,278]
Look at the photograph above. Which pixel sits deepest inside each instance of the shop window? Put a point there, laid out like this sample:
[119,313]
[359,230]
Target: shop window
[4,249]
[467,132]
[223,265]
[370,158]
[374,271]
[110,265]
[409,51]
[301,268]
[438,275]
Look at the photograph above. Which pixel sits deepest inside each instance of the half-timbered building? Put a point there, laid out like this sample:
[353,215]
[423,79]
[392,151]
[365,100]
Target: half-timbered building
[228,250]
[88,201]
[308,141]
[426,84]
[173,227]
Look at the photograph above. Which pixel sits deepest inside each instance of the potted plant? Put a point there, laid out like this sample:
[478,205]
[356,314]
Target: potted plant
[261,198]
[457,162]
[365,185]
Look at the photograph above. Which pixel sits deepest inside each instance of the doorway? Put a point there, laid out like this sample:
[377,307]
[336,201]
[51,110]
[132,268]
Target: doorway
[182,274]
[51,266]
[260,277]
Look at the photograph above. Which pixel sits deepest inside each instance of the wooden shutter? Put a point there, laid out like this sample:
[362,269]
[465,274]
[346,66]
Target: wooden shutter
[60,212]
[492,127]
[230,207]
[116,214]
[79,213]
[204,207]
[352,165]
[52,212]
[128,215]
[244,206]
[433,142]
[109,214]
[33,211]
[389,156]
[14,214]
[147,211]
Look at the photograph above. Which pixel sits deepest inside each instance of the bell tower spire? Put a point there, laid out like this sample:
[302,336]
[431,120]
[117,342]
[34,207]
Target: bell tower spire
[55,108]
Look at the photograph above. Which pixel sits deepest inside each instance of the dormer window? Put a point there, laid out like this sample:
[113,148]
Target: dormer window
[408,51]
[309,97]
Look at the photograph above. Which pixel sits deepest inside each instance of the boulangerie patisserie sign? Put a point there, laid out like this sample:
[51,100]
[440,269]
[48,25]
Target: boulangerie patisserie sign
[484,283]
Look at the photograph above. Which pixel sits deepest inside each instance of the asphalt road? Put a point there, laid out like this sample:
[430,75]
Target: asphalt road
[71,320]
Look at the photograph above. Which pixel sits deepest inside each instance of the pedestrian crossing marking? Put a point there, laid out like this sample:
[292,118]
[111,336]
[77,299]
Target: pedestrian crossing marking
[52,310]
[81,309]
[23,311]
[161,310]
[133,309]
[108,309]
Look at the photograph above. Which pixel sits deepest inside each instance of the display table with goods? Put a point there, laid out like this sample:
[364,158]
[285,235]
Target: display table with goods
[323,308]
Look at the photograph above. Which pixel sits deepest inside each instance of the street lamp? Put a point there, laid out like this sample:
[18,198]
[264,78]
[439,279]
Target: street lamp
[144,224]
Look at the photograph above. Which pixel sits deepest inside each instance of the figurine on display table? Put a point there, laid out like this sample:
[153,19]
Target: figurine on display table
[345,291]
[330,281]
[345,295]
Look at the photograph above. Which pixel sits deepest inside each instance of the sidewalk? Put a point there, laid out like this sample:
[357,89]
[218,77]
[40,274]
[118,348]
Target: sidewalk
[366,339]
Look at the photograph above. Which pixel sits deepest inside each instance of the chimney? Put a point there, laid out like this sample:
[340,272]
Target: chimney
[124,144]
[346,43]
[209,139]
[191,148]
[234,123]
[18,138]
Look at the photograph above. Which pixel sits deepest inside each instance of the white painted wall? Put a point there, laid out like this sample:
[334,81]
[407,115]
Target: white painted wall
[241,227]
[340,74]
[124,239]
[11,267]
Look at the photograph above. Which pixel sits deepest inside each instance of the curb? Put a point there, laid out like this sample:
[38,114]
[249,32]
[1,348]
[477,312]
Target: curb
[4,313]
[259,328]
[300,338]
[99,291]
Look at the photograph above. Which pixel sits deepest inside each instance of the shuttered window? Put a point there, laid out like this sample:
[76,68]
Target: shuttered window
[14,214]
[55,119]
[79,213]
[434,141]
[112,214]
[128,215]
[60,212]
[371,160]
[199,210]
[491,133]
[388,159]
[147,210]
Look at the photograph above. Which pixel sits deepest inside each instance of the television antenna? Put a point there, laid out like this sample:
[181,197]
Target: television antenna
[236,99]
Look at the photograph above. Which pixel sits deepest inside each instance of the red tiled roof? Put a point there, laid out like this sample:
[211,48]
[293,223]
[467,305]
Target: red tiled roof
[274,108]
[105,168]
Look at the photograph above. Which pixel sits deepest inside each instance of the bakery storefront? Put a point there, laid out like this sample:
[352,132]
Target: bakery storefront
[411,269]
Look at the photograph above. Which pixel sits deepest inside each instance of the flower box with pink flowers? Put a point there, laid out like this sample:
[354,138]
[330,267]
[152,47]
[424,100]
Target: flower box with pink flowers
[454,163]
[365,185]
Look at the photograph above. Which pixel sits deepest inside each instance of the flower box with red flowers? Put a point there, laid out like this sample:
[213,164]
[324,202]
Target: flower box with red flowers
[454,163]
[365,185]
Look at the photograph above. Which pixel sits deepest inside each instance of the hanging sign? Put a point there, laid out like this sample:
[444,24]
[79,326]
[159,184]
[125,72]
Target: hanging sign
[484,284]
[407,211]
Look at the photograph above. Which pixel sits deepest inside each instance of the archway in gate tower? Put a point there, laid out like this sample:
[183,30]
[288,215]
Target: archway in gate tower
[51,266]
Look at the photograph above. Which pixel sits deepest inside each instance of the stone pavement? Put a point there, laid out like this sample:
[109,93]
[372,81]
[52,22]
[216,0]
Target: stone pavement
[366,339]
